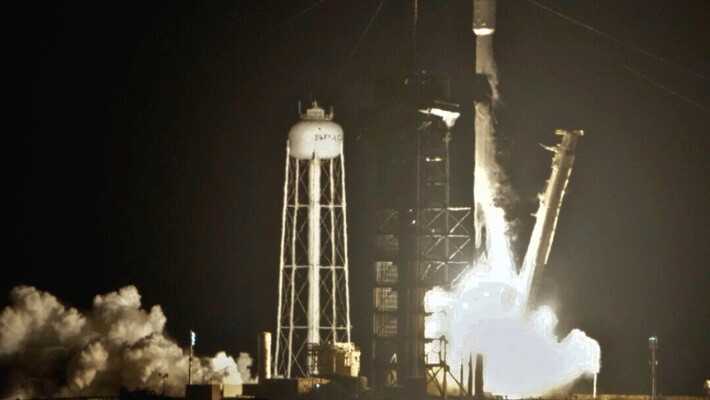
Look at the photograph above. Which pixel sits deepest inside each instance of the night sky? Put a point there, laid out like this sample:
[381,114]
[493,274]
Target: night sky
[147,147]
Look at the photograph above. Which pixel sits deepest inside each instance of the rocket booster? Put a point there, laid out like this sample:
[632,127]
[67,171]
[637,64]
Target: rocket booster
[484,17]
[546,217]
[484,25]
[487,172]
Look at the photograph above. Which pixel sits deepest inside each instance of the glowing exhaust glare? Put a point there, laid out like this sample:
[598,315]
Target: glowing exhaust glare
[483,31]
[523,356]
[448,116]
[482,314]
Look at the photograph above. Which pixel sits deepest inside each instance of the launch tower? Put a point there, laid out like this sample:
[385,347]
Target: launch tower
[421,240]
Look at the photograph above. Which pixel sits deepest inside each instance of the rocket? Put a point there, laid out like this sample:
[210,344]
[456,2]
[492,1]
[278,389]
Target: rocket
[487,173]
[546,217]
[489,180]
[484,17]
[484,25]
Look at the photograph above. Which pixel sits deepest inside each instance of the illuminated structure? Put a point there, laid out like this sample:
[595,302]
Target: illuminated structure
[424,245]
[314,302]
[421,240]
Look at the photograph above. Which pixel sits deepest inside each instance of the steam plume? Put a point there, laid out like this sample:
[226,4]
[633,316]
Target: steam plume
[49,349]
[523,356]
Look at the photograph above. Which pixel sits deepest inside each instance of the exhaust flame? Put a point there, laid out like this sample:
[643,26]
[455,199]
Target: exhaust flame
[49,349]
[486,313]
[523,356]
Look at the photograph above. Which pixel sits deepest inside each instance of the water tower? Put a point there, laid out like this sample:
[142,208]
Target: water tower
[314,301]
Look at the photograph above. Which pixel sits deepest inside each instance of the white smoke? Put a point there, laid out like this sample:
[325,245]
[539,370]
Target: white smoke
[522,355]
[49,349]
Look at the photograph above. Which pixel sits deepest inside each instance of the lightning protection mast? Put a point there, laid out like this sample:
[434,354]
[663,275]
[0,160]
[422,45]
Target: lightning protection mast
[314,301]
[653,346]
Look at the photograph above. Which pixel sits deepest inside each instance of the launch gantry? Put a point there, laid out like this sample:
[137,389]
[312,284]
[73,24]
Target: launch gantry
[422,241]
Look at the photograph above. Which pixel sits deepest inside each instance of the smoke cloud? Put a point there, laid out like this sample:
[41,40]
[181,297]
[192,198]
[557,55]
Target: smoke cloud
[49,349]
[523,357]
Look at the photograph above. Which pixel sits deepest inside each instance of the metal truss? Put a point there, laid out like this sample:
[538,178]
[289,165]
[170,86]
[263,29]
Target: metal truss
[443,247]
[386,298]
[444,244]
[421,241]
[416,250]
[314,301]
[439,374]
[443,241]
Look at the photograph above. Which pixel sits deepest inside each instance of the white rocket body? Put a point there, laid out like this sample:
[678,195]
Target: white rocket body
[489,176]
[484,17]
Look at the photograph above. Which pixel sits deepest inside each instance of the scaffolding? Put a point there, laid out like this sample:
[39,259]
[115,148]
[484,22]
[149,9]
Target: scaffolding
[421,242]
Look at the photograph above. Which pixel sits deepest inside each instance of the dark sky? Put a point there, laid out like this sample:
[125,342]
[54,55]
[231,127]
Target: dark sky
[147,146]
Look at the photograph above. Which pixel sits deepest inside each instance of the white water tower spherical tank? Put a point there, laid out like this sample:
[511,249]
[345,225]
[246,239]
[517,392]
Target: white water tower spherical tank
[315,135]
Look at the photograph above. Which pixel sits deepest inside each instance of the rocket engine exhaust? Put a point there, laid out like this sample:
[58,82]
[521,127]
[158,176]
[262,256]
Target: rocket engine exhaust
[489,311]
[490,183]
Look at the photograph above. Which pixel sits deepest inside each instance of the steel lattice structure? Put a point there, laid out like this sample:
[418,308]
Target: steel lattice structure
[422,241]
[313,305]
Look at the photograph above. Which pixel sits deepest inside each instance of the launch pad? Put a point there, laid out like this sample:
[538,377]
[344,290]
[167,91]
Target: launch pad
[443,289]
[429,254]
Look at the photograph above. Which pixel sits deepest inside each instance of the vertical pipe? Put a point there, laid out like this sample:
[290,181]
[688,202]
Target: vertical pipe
[414,33]
[264,357]
[462,391]
[469,383]
[189,367]
[653,374]
[345,244]
[653,344]
[282,260]
[314,251]
[447,167]
[478,381]
[334,281]
[410,365]
[294,230]
[446,369]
